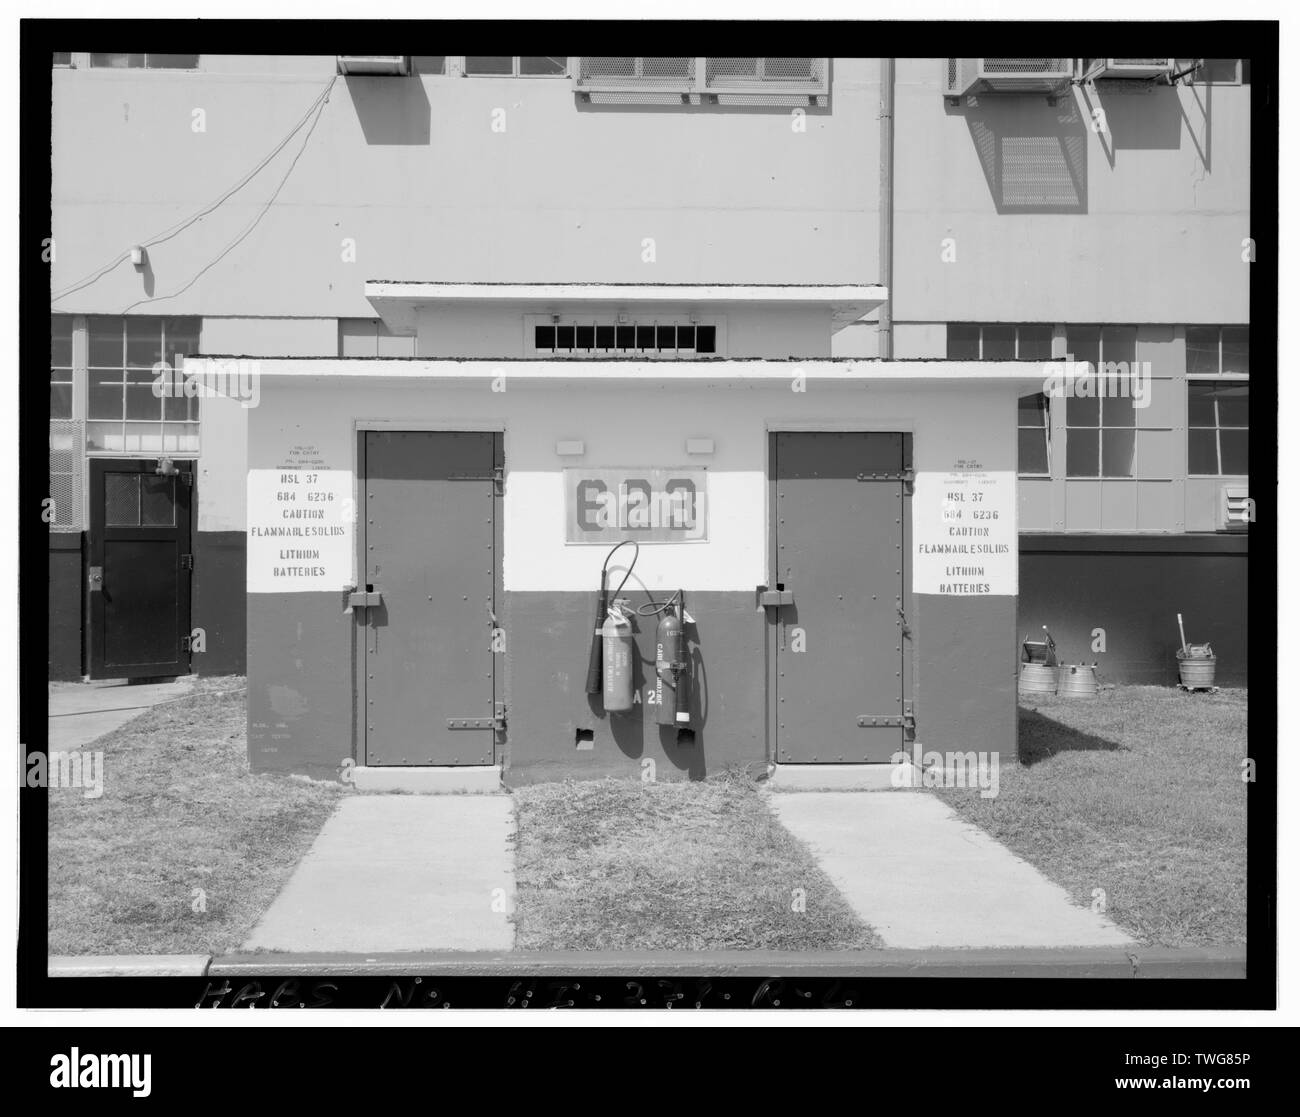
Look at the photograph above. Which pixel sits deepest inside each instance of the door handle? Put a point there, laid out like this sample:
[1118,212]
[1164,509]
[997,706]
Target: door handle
[95,578]
[492,617]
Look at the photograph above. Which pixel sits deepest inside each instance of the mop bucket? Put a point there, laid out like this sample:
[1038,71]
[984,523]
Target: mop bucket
[1077,680]
[1196,666]
[1037,679]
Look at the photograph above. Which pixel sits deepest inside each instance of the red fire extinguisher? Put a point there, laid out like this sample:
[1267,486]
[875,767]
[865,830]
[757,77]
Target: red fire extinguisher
[616,677]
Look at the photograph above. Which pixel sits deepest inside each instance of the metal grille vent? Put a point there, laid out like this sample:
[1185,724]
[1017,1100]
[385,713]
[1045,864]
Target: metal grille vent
[751,81]
[620,73]
[1237,510]
[765,72]
[66,438]
[994,66]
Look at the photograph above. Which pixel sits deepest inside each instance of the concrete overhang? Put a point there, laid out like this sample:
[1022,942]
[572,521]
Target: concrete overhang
[1028,374]
[398,303]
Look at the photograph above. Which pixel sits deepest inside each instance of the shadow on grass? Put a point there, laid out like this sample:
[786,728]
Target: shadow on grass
[1041,738]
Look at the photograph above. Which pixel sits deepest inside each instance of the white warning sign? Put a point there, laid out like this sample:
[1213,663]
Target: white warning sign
[300,529]
[964,534]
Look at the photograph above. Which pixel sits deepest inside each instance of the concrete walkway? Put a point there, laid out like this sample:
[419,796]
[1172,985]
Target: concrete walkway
[400,873]
[81,712]
[922,877]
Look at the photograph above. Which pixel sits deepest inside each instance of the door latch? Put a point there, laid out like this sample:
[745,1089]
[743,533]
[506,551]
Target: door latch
[365,599]
[775,599]
[95,577]
[902,620]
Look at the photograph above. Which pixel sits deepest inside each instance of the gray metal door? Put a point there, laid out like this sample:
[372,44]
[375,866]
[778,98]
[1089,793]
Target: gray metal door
[839,520]
[430,553]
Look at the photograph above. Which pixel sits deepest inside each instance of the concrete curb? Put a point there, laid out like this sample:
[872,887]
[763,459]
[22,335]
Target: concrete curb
[128,965]
[1081,962]
[1199,963]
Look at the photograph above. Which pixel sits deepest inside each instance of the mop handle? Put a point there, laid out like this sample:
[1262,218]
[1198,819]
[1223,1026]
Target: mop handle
[1181,634]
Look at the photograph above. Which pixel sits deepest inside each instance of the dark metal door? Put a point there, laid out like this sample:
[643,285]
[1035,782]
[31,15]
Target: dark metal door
[838,528]
[429,538]
[140,568]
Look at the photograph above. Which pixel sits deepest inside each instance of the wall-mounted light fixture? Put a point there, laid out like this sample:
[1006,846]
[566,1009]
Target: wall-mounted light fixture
[139,256]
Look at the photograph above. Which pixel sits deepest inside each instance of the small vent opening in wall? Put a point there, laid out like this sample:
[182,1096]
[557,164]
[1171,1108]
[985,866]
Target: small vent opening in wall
[643,339]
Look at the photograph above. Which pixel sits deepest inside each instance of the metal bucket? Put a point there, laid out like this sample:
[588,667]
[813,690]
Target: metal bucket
[1037,678]
[1196,668]
[1077,680]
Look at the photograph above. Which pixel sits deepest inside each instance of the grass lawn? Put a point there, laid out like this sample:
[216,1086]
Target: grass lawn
[1139,793]
[625,865]
[180,812]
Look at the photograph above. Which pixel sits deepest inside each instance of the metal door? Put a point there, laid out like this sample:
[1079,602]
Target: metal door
[139,569]
[430,554]
[839,516]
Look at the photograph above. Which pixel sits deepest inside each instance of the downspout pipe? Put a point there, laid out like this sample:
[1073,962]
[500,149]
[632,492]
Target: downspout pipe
[885,329]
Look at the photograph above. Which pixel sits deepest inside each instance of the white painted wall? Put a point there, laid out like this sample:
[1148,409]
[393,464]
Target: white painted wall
[629,423]
[489,330]
[410,171]
[271,337]
[1164,192]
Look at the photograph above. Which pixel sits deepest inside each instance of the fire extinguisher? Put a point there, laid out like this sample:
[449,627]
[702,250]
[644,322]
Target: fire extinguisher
[602,609]
[671,665]
[616,639]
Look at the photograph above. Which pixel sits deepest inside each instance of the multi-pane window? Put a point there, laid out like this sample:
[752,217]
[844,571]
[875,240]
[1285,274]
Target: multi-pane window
[1215,350]
[1101,429]
[1034,436]
[516,67]
[1218,400]
[1218,427]
[1223,71]
[129,407]
[625,339]
[970,341]
[61,366]
[146,61]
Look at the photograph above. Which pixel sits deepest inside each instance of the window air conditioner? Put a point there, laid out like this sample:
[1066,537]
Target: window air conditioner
[963,76]
[397,64]
[1129,67]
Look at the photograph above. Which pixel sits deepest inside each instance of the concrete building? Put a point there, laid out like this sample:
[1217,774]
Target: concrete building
[521,283]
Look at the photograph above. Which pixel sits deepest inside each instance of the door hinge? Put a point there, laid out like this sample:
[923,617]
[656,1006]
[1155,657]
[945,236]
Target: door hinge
[907,476]
[187,562]
[497,721]
[905,720]
[497,477]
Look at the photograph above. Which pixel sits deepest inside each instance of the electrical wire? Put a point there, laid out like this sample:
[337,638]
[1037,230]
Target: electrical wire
[252,224]
[174,230]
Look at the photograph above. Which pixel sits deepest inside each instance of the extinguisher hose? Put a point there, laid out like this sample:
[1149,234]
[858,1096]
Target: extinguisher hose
[654,608]
[594,664]
[636,554]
